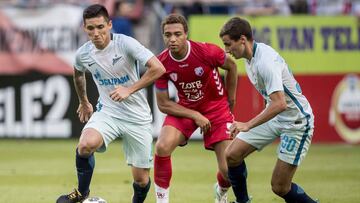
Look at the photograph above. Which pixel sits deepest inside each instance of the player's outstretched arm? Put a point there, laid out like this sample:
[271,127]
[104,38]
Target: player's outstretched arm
[167,106]
[230,79]
[85,108]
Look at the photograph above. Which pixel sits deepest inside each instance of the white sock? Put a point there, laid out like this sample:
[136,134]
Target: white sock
[222,190]
[162,194]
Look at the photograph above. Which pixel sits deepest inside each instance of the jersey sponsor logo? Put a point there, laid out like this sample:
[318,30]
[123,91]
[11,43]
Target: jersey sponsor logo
[199,71]
[114,81]
[191,85]
[192,90]
[110,81]
[174,77]
[116,59]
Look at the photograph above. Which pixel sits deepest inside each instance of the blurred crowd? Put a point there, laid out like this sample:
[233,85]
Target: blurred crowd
[141,18]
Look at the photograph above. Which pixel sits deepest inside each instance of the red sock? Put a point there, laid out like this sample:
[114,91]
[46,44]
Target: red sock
[162,171]
[222,181]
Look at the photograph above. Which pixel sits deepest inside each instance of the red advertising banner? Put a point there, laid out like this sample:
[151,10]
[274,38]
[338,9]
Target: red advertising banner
[335,100]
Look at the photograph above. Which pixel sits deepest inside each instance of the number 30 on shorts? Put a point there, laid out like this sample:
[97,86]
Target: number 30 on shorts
[288,143]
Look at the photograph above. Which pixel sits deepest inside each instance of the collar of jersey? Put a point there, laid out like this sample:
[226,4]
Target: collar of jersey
[186,56]
[254,49]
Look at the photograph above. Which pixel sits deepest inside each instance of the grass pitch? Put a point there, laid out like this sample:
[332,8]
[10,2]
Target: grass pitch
[38,171]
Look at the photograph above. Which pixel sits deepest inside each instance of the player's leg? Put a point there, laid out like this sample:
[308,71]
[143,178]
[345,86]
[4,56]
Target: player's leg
[141,184]
[294,144]
[237,171]
[282,185]
[175,131]
[96,135]
[137,144]
[169,139]
[223,184]
[217,139]
[244,144]
[90,141]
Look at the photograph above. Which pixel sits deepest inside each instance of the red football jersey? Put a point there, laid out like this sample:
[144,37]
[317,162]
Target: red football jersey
[197,78]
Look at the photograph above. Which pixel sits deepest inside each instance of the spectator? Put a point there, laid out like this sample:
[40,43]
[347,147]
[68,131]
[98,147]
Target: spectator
[264,7]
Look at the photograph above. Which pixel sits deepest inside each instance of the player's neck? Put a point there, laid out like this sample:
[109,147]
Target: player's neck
[181,54]
[105,44]
[249,51]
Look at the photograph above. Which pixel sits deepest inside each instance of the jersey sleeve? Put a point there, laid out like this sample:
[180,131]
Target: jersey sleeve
[78,64]
[162,82]
[137,50]
[271,74]
[215,55]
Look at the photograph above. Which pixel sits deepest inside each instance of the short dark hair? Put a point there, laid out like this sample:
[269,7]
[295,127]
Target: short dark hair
[235,27]
[95,10]
[173,19]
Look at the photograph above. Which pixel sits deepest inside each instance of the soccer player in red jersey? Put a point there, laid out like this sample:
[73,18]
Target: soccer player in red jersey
[203,102]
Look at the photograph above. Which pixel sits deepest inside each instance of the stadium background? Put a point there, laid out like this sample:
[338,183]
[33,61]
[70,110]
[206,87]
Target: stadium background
[38,40]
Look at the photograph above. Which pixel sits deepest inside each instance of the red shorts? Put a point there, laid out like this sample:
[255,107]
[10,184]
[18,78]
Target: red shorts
[218,132]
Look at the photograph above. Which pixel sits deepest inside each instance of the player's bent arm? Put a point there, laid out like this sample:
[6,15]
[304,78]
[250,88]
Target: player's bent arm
[155,69]
[230,79]
[80,85]
[276,106]
[167,106]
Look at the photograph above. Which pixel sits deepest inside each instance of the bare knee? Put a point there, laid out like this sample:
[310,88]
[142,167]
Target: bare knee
[163,148]
[141,178]
[86,148]
[232,158]
[280,189]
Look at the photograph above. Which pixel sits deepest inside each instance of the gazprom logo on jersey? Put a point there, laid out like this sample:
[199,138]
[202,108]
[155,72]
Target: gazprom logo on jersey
[110,81]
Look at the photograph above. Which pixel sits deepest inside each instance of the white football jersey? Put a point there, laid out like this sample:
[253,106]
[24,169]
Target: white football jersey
[269,73]
[117,64]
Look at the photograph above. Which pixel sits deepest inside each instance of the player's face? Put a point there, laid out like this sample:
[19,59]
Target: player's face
[98,31]
[235,48]
[175,38]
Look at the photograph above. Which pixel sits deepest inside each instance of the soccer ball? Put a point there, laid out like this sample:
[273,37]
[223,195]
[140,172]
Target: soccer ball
[94,200]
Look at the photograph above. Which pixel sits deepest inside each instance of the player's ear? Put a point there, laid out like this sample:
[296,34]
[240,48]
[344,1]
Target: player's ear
[110,24]
[243,39]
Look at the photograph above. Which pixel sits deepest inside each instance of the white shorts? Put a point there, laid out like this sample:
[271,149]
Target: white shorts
[295,138]
[137,138]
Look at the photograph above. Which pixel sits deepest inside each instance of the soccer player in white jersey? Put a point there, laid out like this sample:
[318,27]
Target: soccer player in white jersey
[122,110]
[287,115]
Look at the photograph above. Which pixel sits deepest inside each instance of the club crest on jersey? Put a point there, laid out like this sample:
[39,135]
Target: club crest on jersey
[199,71]
[173,77]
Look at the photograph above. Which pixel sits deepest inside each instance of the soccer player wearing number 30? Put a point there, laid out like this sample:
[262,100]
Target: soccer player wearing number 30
[287,115]
[203,102]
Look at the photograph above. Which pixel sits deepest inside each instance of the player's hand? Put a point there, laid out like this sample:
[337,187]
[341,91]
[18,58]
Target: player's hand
[84,111]
[203,123]
[237,127]
[120,93]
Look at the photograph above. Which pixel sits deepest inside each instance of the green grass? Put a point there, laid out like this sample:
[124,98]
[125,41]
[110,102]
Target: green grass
[38,171]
